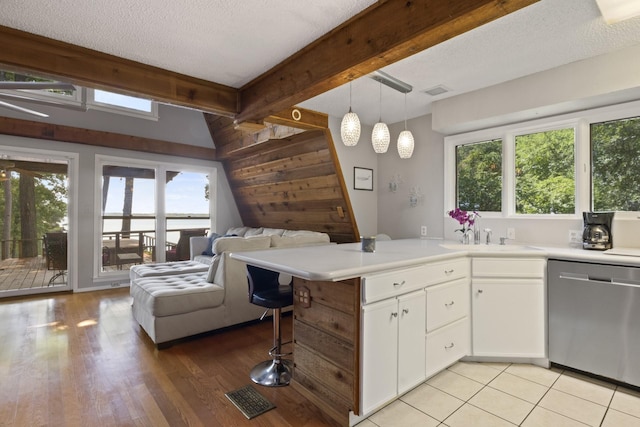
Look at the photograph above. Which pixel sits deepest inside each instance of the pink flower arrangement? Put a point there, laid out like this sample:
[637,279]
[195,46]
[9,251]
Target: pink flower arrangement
[464,218]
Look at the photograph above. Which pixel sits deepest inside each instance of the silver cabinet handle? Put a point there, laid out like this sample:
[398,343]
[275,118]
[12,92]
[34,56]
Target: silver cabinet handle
[449,271]
[396,284]
[405,311]
[394,314]
[449,304]
[449,346]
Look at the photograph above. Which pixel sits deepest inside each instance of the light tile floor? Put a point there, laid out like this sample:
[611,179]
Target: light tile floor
[503,394]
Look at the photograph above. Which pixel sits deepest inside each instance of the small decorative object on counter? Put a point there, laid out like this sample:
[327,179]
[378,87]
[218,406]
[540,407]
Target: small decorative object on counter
[368,244]
[466,220]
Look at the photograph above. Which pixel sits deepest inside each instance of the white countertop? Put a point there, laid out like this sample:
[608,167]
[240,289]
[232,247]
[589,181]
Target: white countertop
[344,261]
[339,262]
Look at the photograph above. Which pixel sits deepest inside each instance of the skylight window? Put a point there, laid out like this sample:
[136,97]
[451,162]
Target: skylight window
[124,101]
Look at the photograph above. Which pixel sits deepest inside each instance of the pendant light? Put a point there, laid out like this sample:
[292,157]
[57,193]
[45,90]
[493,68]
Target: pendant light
[350,127]
[405,139]
[380,137]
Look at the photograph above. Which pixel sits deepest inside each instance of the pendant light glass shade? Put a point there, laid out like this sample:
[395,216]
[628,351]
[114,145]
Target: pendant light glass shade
[380,137]
[405,139]
[405,144]
[350,127]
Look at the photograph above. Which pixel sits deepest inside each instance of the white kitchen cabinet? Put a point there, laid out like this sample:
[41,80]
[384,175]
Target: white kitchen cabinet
[392,348]
[448,337]
[508,308]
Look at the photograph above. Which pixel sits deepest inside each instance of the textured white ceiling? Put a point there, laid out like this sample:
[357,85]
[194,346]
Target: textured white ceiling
[233,41]
[224,41]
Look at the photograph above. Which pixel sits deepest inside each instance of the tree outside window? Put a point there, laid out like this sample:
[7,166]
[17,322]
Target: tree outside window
[615,149]
[479,176]
[545,172]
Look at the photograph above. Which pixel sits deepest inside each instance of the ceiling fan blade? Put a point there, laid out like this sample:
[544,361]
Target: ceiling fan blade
[24,110]
[36,85]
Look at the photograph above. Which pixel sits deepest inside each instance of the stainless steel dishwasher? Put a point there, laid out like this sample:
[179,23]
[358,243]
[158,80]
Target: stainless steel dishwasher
[594,318]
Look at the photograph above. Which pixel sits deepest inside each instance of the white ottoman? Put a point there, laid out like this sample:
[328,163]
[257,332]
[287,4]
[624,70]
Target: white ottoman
[175,306]
[166,269]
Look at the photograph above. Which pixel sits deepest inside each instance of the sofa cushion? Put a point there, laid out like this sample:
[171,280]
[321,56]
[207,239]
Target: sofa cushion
[235,244]
[253,243]
[254,232]
[166,268]
[291,233]
[299,240]
[209,251]
[238,231]
[272,231]
[204,259]
[213,267]
[212,238]
[177,294]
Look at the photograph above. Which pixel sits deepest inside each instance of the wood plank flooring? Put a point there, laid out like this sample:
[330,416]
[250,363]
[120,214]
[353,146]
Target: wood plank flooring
[81,360]
[26,273]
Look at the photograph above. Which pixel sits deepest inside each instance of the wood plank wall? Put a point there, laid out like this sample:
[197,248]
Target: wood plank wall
[326,345]
[294,183]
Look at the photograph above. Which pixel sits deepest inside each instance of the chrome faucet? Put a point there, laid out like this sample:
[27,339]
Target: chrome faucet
[488,231]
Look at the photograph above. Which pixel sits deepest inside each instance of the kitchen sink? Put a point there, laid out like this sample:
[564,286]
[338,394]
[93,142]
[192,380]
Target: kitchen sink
[486,248]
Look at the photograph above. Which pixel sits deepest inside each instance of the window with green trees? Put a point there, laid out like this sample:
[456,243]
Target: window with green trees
[615,159]
[545,172]
[479,176]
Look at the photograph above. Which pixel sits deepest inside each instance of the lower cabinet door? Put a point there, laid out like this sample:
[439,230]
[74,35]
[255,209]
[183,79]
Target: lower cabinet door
[379,354]
[508,317]
[411,330]
[447,345]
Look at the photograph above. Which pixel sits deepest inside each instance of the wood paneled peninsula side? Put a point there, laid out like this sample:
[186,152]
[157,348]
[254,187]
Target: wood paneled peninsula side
[334,286]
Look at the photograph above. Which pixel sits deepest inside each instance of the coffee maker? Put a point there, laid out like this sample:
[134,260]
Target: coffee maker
[596,233]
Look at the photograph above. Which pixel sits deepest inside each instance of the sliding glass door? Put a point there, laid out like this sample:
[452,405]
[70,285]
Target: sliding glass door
[149,212]
[34,206]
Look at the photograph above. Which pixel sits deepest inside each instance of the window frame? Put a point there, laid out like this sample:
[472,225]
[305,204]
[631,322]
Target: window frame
[580,121]
[91,103]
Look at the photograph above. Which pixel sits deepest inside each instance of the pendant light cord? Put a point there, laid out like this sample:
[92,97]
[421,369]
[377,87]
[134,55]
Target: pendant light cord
[380,117]
[405,111]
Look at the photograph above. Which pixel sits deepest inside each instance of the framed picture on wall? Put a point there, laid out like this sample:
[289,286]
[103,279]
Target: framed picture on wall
[362,179]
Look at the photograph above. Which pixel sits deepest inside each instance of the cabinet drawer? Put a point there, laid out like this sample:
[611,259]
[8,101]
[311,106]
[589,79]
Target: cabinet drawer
[447,302]
[508,267]
[447,345]
[444,271]
[376,287]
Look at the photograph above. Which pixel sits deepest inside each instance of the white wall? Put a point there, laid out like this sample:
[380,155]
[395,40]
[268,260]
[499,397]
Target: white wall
[424,170]
[174,124]
[226,215]
[365,203]
[602,80]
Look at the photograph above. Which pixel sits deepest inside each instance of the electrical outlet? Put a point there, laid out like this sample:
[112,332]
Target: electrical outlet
[115,284]
[511,233]
[575,236]
[423,231]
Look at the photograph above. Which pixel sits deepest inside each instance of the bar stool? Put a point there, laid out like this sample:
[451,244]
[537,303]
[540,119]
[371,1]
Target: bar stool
[266,291]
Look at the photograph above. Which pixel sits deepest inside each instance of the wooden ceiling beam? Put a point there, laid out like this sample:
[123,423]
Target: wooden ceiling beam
[24,51]
[48,131]
[383,34]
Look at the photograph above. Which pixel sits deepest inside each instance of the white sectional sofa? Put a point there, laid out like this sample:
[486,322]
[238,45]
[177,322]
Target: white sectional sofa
[180,299]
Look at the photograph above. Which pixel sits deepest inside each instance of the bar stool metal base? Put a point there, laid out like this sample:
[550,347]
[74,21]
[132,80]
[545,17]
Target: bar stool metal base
[272,373]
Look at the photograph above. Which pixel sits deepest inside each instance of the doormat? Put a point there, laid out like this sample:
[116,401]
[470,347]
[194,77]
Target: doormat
[249,401]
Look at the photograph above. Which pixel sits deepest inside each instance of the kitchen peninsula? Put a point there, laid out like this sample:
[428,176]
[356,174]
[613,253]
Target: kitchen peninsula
[352,307]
